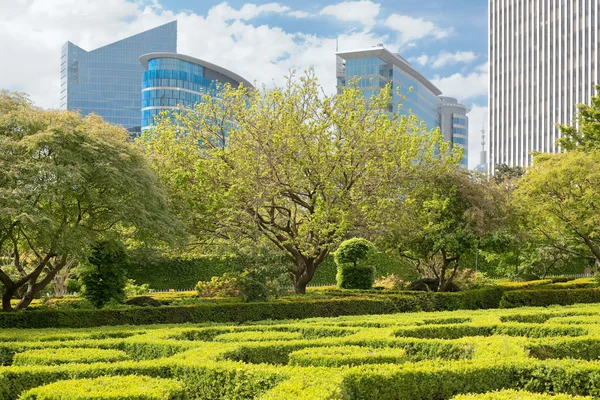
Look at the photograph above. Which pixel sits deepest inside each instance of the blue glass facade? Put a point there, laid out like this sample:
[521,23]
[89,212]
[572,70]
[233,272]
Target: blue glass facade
[107,81]
[372,74]
[173,80]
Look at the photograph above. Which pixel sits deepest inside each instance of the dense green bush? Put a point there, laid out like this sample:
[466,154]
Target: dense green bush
[518,395]
[103,278]
[353,268]
[355,277]
[431,285]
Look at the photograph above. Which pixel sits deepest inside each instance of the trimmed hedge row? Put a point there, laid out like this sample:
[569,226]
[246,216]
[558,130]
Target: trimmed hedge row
[179,273]
[131,387]
[298,309]
[517,395]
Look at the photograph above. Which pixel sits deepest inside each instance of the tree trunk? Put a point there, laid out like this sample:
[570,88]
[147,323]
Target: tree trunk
[305,270]
[6,298]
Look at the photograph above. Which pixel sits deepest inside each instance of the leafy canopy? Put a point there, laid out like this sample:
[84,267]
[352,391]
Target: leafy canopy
[66,181]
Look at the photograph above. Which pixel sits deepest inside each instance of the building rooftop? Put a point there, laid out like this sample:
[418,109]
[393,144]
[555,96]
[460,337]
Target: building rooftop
[390,58]
[145,59]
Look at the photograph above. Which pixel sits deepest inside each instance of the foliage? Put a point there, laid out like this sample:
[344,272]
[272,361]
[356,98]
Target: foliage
[560,193]
[350,276]
[468,279]
[167,272]
[432,285]
[143,301]
[219,286]
[353,250]
[442,218]
[391,282]
[584,135]
[131,289]
[66,356]
[251,284]
[290,167]
[65,182]
[104,279]
[406,356]
[110,388]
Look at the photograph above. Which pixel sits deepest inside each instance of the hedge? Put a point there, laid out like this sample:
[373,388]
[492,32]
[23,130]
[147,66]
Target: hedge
[110,388]
[342,359]
[299,308]
[180,273]
[518,395]
[241,312]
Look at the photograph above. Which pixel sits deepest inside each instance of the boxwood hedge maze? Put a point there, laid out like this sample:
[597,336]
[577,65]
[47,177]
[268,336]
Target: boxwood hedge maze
[526,353]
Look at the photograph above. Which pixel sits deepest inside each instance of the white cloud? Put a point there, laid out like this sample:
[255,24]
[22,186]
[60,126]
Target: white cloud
[363,11]
[33,32]
[463,86]
[298,14]
[477,121]
[446,58]
[247,12]
[411,29]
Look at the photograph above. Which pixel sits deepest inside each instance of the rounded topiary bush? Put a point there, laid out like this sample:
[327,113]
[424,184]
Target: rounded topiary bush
[131,387]
[350,273]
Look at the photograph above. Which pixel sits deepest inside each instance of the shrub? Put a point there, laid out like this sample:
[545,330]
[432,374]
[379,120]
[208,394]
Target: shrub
[110,387]
[132,289]
[219,286]
[517,395]
[431,285]
[103,279]
[353,250]
[355,277]
[546,297]
[143,301]
[468,279]
[391,282]
[351,275]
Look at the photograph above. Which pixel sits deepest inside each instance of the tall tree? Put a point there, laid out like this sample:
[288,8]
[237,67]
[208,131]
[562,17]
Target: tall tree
[561,193]
[292,166]
[65,181]
[442,216]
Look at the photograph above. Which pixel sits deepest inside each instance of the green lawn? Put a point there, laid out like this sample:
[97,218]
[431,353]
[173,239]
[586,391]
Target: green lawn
[399,356]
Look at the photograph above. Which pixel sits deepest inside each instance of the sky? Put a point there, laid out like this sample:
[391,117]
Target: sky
[445,40]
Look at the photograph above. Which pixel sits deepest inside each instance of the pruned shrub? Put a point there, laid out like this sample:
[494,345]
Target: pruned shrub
[351,274]
[143,301]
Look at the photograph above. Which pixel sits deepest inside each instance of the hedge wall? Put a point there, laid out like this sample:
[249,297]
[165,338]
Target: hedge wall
[179,273]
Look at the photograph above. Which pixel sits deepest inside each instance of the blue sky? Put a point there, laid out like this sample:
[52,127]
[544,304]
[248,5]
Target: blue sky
[445,40]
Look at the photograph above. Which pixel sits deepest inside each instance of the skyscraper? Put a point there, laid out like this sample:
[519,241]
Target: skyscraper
[375,67]
[108,80]
[544,60]
[171,80]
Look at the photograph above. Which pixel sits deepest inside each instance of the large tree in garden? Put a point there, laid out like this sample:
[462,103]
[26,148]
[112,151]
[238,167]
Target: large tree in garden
[292,166]
[444,214]
[585,135]
[561,195]
[65,182]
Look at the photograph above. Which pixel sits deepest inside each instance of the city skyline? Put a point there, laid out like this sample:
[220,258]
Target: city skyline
[261,41]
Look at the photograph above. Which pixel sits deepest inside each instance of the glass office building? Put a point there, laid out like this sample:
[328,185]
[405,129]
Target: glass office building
[172,80]
[107,81]
[372,69]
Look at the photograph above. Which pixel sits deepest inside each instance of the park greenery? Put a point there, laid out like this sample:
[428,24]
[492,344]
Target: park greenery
[252,191]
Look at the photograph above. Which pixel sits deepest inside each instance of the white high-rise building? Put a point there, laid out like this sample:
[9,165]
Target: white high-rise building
[544,60]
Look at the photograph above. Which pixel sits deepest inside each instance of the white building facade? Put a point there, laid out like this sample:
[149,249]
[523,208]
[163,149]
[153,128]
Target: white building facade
[544,60]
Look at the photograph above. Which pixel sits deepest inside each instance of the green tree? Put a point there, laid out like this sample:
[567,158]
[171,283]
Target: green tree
[585,134]
[64,182]
[353,250]
[561,195]
[290,166]
[103,278]
[444,215]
